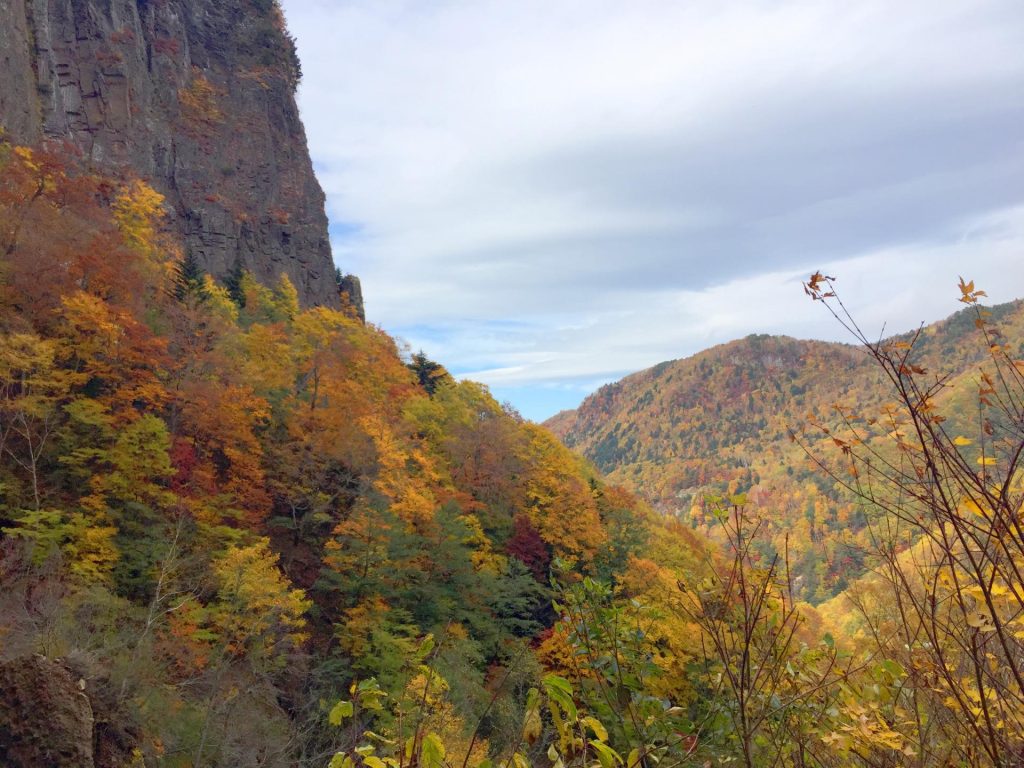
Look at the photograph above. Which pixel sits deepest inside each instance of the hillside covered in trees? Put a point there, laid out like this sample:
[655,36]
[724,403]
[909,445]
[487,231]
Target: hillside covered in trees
[239,526]
[223,509]
[237,532]
[721,422]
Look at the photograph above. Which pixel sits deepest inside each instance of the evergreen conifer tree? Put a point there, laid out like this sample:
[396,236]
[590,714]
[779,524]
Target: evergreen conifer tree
[189,279]
[233,282]
[428,373]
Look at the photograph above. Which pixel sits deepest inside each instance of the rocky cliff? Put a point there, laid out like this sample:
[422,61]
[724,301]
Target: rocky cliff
[196,97]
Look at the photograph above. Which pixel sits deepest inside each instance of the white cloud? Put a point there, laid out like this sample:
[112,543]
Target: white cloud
[891,291]
[560,191]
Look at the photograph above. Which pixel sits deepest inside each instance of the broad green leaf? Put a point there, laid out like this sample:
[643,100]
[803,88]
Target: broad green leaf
[559,692]
[607,756]
[558,683]
[432,753]
[339,712]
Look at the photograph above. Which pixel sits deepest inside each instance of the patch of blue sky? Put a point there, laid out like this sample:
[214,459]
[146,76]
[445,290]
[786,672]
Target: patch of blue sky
[344,230]
[538,402]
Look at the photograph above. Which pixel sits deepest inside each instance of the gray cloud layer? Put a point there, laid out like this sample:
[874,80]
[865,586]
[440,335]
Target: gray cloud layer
[558,192]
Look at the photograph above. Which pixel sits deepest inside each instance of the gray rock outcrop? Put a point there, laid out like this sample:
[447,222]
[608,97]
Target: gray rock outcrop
[194,96]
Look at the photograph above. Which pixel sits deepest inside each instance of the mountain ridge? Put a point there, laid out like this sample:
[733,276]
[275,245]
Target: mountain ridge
[720,422]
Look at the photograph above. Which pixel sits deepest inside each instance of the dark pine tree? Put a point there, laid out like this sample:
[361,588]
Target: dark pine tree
[428,373]
[189,279]
[233,282]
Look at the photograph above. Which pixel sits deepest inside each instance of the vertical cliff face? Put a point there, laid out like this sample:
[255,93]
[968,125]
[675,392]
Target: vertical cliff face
[197,97]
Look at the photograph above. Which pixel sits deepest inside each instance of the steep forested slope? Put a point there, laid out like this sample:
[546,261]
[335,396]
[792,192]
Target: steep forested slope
[237,528]
[720,421]
[223,498]
[222,509]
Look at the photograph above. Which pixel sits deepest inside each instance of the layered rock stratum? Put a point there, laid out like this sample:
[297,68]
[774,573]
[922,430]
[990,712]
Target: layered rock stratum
[196,97]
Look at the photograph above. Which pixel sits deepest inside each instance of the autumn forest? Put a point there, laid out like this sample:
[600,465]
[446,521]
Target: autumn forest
[241,527]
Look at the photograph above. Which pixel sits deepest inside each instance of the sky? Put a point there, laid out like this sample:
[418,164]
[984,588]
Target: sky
[546,195]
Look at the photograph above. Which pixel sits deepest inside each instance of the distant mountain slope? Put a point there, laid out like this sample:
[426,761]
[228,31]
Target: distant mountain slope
[719,422]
